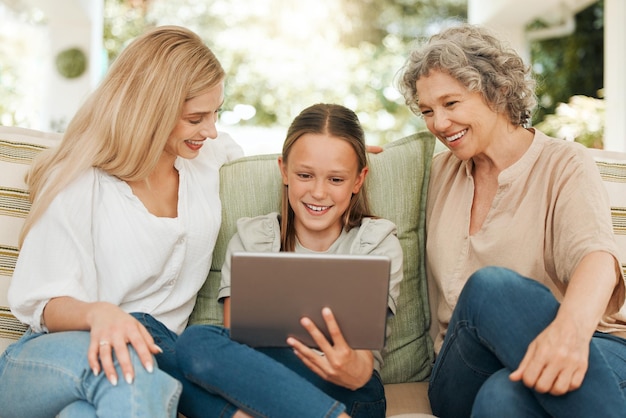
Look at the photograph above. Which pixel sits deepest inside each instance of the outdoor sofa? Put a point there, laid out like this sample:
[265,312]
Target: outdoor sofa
[397,185]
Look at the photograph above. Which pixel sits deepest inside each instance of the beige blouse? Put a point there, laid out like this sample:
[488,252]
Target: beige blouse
[551,209]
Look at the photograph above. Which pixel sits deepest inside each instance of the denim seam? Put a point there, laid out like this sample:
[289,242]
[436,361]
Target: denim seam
[336,409]
[172,406]
[47,366]
[356,406]
[450,345]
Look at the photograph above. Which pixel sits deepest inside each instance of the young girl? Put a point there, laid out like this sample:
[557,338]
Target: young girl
[519,245]
[324,209]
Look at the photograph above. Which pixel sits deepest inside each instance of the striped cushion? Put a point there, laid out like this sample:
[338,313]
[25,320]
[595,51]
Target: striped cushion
[18,147]
[612,166]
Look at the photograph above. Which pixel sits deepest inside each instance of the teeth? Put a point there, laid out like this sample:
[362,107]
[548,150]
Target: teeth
[455,137]
[189,141]
[317,208]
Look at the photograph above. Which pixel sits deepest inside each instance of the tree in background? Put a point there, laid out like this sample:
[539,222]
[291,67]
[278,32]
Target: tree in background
[8,91]
[123,21]
[19,79]
[282,56]
[570,66]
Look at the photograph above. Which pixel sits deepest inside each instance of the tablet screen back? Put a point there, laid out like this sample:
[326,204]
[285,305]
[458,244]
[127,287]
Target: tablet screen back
[270,292]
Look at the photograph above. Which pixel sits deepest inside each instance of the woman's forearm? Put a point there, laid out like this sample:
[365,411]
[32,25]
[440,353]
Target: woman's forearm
[68,314]
[589,290]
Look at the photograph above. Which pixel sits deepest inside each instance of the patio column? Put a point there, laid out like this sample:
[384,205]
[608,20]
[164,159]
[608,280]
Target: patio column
[614,70]
[69,24]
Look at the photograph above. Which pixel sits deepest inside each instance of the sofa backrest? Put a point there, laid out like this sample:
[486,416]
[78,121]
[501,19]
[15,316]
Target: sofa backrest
[251,186]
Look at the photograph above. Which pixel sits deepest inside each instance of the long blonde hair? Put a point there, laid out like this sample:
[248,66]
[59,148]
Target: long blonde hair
[123,126]
[340,122]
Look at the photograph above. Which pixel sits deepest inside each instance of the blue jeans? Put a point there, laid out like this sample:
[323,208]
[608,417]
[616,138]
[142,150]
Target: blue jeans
[497,315]
[194,400]
[269,382]
[45,375]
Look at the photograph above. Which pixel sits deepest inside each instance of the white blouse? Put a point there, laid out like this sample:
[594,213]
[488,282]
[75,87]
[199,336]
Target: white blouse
[98,242]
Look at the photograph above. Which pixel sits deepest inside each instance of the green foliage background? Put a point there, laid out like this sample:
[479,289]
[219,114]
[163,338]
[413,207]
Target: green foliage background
[351,55]
[570,66]
[280,65]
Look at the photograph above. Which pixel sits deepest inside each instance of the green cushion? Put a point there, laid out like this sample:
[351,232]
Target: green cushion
[397,185]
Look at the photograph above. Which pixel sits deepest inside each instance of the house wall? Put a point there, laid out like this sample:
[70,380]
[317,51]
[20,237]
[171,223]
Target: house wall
[614,70]
[66,24]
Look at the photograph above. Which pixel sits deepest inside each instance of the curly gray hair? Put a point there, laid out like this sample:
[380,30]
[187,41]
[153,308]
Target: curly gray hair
[481,62]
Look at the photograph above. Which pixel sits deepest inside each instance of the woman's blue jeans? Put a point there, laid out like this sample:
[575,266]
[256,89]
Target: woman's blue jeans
[45,375]
[497,315]
[269,382]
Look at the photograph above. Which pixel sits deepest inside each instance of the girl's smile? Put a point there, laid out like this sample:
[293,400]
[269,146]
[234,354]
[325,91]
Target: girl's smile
[317,210]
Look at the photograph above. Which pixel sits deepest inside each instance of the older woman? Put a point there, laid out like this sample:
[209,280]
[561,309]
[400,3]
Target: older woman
[519,245]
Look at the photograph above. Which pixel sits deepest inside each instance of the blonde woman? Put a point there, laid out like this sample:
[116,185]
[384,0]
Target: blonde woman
[118,241]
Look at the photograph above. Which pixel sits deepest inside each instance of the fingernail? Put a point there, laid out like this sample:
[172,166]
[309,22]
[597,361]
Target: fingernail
[149,367]
[159,348]
[96,372]
[113,380]
[129,378]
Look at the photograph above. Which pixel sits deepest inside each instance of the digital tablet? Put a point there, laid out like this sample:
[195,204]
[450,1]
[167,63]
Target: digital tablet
[270,292]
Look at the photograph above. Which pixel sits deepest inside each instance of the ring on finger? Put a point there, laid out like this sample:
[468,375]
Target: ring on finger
[103,343]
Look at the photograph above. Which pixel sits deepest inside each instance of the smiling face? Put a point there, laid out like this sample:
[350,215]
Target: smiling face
[322,173]
[196,123]
[460,118]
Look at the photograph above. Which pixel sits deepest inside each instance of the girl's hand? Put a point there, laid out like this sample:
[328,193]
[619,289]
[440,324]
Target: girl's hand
[556,361]
[339,363]
[112,330]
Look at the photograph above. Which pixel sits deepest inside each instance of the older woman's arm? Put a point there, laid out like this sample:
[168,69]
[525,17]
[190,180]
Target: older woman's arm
[556,361]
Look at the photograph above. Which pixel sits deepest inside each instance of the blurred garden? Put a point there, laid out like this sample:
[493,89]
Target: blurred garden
[283,55]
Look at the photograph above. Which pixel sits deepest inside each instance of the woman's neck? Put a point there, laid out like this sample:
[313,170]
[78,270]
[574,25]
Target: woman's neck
[159,191]
[504,151]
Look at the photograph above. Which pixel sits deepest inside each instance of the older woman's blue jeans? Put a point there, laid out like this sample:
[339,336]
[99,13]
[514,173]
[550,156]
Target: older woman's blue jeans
[497,315]
[269,382]
[43,375]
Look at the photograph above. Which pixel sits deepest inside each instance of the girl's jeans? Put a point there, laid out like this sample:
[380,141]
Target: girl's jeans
[497,315]
[44,375]
[265,382]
